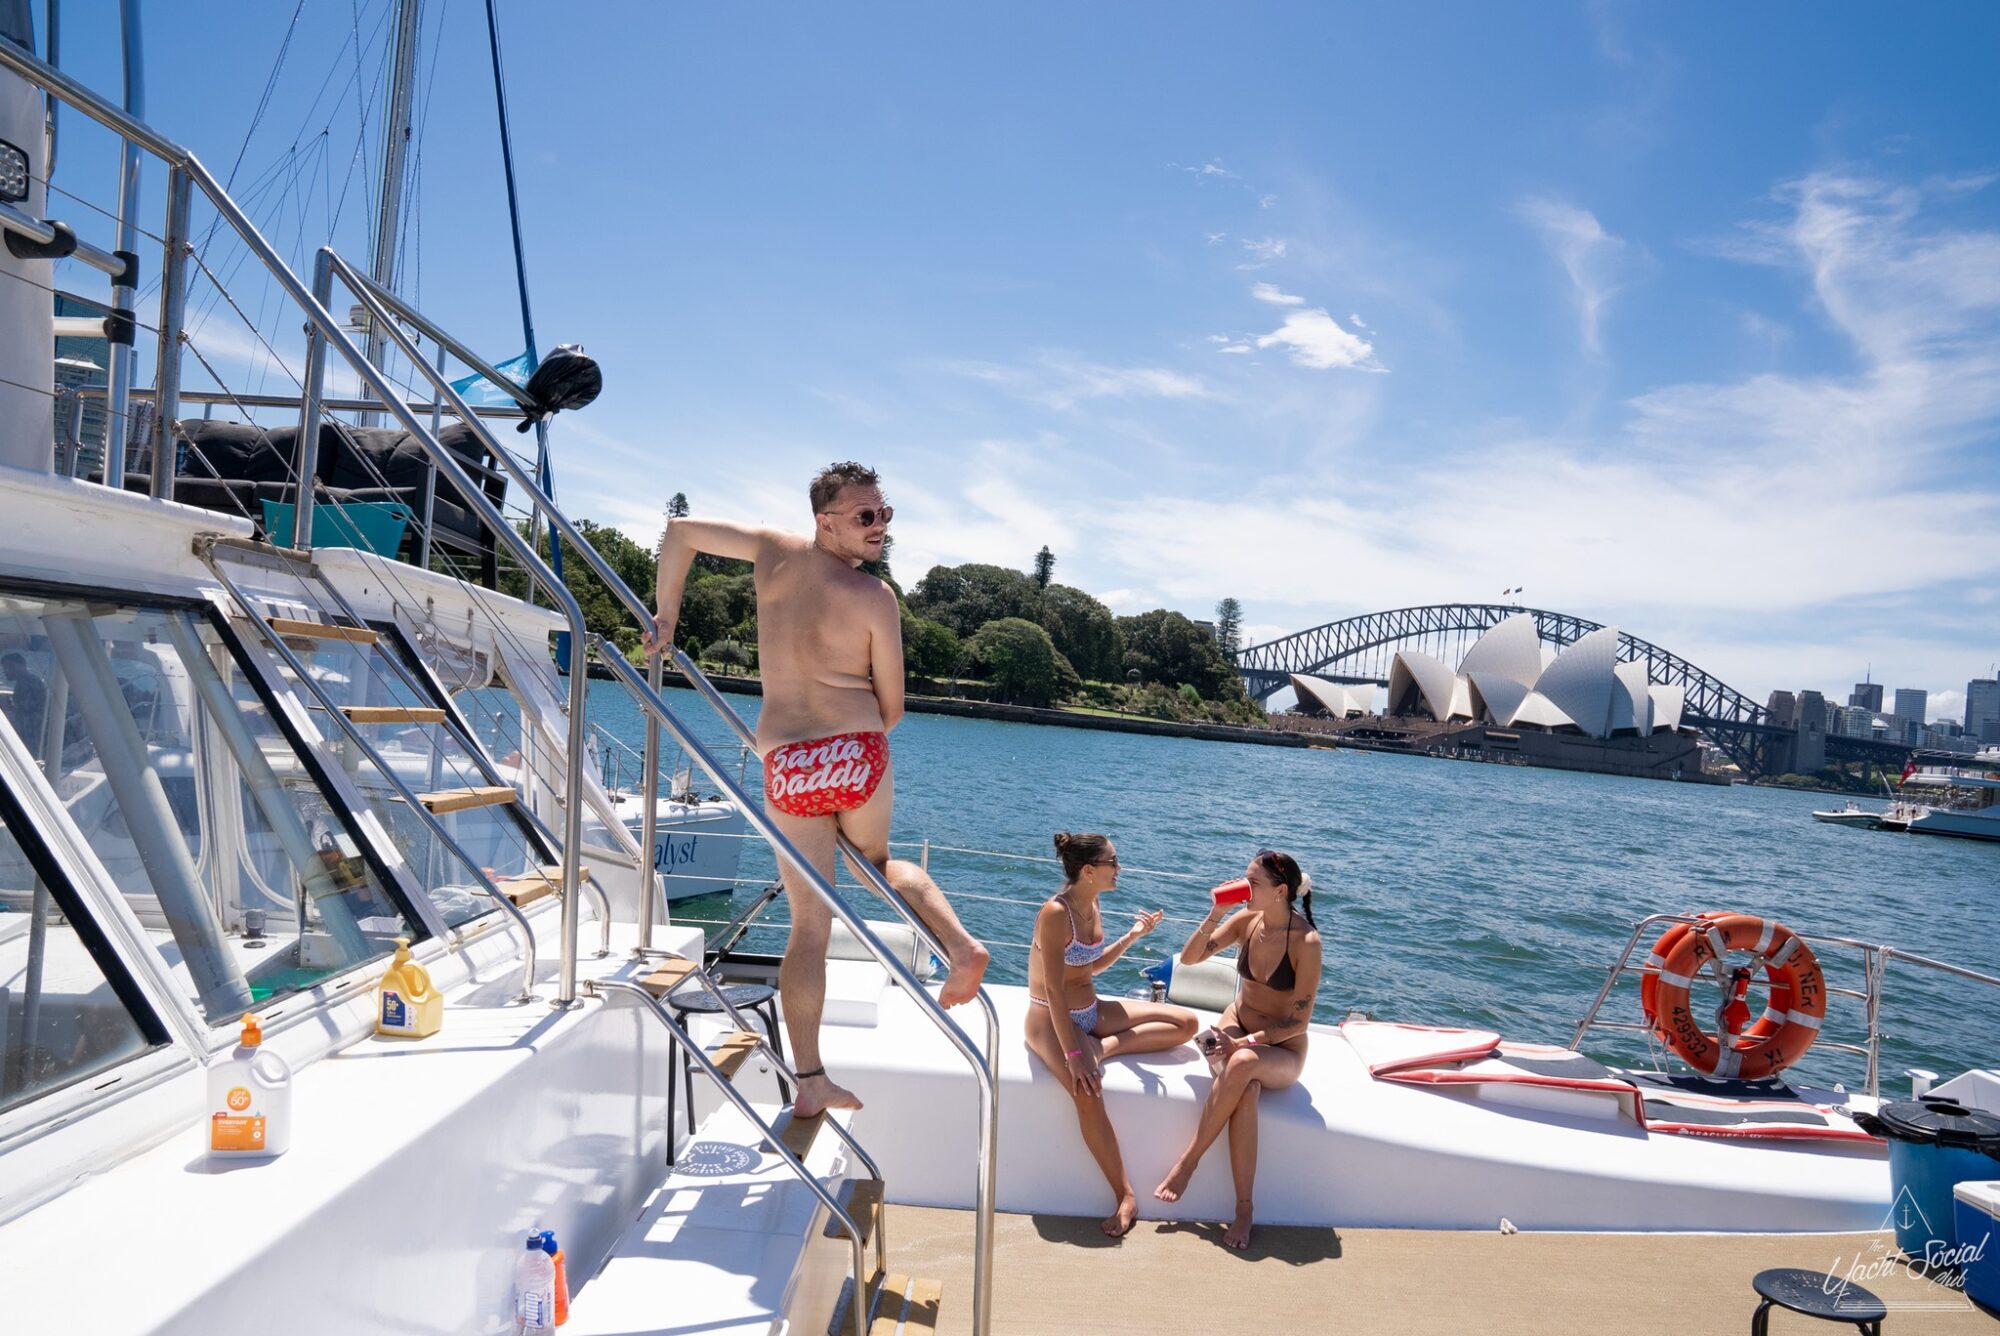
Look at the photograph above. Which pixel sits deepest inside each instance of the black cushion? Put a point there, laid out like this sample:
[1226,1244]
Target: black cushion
[352,463]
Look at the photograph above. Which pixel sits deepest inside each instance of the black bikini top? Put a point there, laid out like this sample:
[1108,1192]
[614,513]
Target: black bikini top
[1284,978]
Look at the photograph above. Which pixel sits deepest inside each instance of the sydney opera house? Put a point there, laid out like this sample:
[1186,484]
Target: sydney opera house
[1583,709]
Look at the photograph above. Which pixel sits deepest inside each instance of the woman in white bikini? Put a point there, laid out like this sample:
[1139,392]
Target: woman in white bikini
[1070,1028]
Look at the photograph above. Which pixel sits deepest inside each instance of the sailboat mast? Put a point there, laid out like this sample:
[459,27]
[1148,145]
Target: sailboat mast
[395,162]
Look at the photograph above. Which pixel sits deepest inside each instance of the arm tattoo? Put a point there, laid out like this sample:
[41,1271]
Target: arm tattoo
[1300,1007]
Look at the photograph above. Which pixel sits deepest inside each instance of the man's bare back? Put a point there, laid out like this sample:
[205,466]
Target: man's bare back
[830,651]
[825,634]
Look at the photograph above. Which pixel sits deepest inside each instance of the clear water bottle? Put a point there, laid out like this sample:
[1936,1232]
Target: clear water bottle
[535,1291]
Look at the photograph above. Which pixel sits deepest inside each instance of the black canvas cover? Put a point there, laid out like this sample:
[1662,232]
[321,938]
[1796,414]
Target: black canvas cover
[567,378]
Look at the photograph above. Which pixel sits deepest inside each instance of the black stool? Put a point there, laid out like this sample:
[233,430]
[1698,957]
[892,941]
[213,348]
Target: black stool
[693,998]
[1815,1294]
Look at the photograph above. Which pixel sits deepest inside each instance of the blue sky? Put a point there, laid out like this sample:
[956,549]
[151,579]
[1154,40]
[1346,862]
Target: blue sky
[1684,318]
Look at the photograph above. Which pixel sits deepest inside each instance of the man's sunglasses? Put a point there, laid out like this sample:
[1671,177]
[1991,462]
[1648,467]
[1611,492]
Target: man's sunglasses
[866,516]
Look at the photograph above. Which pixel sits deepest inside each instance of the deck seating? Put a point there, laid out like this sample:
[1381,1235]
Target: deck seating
[232,466]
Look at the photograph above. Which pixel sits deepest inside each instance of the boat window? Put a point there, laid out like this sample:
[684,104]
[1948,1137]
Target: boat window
[61,1019]
[249,879]
[395,712]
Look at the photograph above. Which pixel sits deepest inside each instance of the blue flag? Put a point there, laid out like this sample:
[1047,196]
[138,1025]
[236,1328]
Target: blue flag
[480,392]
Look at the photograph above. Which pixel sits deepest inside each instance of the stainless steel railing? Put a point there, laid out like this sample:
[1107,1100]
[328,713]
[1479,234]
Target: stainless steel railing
[385,308]
[981,1064]
[323,331]
[858,1307]
[1875,959]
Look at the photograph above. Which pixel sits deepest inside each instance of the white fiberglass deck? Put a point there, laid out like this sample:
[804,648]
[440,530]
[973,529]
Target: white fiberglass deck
[1340,1148]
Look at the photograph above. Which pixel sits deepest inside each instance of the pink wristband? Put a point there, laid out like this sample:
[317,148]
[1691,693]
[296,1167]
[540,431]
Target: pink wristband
[1072,1053]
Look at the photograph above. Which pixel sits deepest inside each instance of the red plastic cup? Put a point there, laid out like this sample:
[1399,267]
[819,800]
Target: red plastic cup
[1232,893]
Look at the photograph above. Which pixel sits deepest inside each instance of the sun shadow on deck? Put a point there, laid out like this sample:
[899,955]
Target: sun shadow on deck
[1293,1245]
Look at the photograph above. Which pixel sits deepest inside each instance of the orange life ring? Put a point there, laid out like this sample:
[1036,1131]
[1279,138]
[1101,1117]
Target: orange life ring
[1793,1011]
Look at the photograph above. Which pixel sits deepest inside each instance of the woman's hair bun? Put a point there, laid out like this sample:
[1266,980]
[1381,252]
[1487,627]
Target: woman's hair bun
[1078,849]
[1305,884]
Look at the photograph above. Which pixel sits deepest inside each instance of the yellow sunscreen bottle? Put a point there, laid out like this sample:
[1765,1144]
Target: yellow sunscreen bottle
[406,1004]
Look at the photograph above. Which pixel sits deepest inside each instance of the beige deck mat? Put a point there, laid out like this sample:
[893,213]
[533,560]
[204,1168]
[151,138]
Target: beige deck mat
[1058,1276]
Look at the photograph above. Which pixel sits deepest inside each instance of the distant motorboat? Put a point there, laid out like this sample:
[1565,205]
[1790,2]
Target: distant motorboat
[1854,814]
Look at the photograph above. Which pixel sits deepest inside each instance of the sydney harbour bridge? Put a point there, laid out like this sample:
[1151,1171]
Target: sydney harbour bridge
[1360,649]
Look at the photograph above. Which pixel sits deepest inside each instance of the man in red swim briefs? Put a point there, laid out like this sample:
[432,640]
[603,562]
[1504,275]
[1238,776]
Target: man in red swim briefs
[830,650]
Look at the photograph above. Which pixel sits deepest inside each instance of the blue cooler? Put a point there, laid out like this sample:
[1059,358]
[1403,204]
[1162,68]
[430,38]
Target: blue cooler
[1934,1145]
[1979,1240]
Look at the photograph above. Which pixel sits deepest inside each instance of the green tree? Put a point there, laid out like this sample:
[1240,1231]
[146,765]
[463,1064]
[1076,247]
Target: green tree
[1167,648]
[967,597]
[1018,657]
[1229,627]
[603,614]
[730,654]
[1084,631]
[720,607]
[930,649]
[677,505]
[1045,567]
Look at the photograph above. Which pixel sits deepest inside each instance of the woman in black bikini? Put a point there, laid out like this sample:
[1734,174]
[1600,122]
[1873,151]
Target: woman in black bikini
[1260,1043]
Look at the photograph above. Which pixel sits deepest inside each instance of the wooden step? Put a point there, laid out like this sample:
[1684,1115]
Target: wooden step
[924,1298]
[527,887]
[798,1133]
[733,1051]
[393,714]
[359,635]
[670,975]
[459,800]
[861,1198]
[896,1304]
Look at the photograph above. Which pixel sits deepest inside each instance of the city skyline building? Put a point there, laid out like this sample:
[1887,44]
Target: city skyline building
[1982,709]
[1866,696]
[1911,702]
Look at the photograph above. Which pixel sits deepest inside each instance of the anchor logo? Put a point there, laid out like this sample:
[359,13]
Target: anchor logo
[1905,1213]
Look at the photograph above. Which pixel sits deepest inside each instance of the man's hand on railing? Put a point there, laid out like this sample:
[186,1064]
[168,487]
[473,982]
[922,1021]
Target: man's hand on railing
[660,639]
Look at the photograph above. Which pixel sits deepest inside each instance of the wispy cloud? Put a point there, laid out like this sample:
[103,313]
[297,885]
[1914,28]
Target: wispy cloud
[1597,263]
[1263,251]
[1315,339]
[1270,292]
[1061,381]
[1212,170]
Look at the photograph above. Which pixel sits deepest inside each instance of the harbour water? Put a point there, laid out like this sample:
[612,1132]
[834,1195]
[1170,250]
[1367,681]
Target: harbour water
[1447,893]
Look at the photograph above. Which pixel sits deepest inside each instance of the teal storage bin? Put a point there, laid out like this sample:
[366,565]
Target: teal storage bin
[1934,1145]
[372,526]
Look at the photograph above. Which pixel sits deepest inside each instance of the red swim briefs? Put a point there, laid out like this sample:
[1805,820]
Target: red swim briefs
[825,775]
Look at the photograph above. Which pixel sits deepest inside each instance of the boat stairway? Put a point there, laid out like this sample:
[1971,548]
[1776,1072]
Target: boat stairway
[732,1243]
[746,1233]
[365,693]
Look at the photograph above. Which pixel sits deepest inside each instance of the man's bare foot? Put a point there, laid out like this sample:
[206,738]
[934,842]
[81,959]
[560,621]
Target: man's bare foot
[1175,1183]
[962,984]
[817,1094]
[1119,1223]
[1237,1236]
